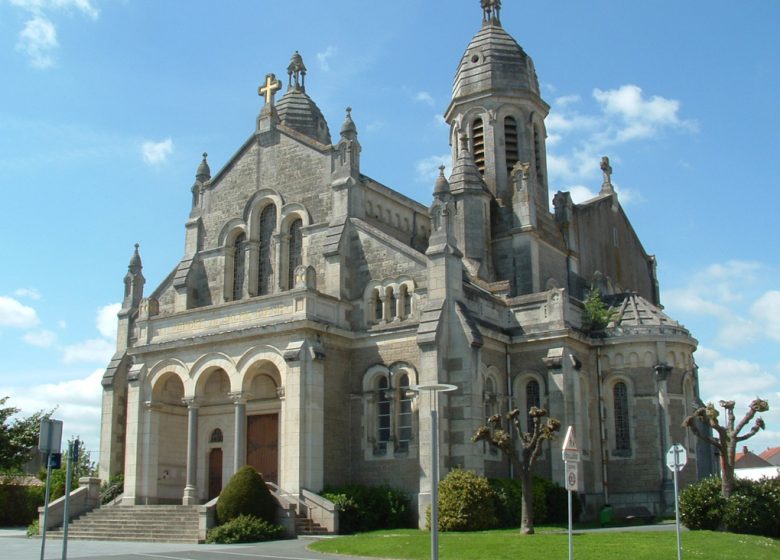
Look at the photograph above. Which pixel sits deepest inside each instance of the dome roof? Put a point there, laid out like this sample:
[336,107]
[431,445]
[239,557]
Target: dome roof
[634,314]
[494,61]
[297,111]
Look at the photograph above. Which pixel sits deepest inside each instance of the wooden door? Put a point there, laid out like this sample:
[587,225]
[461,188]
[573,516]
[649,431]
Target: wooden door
[215,472]
[262,445]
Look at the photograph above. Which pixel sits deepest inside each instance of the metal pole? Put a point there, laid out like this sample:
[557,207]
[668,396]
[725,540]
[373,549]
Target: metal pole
[677,506]
[46,503]
[434,481]
[571,549]
[65,517]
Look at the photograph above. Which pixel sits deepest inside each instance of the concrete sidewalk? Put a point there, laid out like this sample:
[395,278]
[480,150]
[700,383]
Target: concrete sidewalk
[14,545]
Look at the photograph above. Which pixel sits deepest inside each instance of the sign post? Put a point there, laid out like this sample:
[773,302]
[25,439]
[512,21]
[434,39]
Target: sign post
[676,458]
[73,457]
[571,456]
[49,442]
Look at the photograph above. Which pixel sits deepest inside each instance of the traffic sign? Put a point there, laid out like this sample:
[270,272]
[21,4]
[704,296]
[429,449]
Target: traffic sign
[572,482]
[571,453]
[676,457]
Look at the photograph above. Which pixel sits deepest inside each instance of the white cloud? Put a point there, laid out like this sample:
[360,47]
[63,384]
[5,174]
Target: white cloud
[29,293]
[766,311]
[15,314]
[580,193]
[38,40]
[157,152]
[77,403]
[424,97]
[38,37]
[323,58]
[566,100]
[92,351]
[428,169]
[106,320]
[373,126]
[41,339]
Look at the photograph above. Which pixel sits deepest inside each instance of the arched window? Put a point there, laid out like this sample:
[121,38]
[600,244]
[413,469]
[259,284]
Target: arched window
[532,398]
[478,144]
[404,415]
[265,265]
[491,409]
[622,428]
[406,301]
[382,414]
[294,251]
[377,307]
[216,436]
[392,302]
[512,150]
[239,250]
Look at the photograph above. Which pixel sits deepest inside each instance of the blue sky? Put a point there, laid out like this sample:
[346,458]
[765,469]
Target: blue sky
[106,106]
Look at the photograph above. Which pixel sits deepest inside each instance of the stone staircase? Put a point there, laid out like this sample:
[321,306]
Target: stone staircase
[173,524]
[306,527]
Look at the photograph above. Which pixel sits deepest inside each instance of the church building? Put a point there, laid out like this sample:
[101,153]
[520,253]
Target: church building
[311,299]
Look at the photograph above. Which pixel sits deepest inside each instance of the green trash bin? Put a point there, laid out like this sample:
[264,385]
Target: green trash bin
[606,515]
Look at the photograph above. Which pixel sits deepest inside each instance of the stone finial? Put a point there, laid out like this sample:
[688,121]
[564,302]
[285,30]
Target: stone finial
[269,89]
[442,186]
[204,172]
[296,73]
[491,10]
[348,126]
[135,261]
[606,169]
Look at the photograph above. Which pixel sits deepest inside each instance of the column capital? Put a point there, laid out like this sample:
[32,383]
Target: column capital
[190,402]
[239,397]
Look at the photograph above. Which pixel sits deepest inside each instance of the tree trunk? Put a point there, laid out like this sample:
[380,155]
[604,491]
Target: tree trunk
[727,477]
[527,521]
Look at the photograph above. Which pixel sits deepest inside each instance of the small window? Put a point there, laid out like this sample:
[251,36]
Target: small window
[392,302]
[378,304]
[265,266]
[622,433]
[406,301]
[216,436]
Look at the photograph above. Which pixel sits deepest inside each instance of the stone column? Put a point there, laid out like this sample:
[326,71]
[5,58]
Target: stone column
[190,490]
[133,449]
[239,431]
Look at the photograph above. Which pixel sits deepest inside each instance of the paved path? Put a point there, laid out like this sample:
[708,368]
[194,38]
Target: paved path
[14,545]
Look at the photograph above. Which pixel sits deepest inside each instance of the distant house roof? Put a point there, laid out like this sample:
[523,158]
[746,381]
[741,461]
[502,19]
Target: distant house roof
[771,455]
[746,459]
[20,480]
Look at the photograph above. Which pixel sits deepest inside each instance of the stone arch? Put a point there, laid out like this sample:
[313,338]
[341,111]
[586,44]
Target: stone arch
[611,380]
[293,211]
[255,207]
[204,368]
[230,231]
[165,367]
[520,388]
[260,354]
[168,389]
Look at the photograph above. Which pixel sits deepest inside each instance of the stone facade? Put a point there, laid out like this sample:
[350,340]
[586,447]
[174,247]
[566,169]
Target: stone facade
[311,298]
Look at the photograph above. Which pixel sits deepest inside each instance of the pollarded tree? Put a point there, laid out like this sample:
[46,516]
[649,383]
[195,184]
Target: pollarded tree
[524,455]
[727,437]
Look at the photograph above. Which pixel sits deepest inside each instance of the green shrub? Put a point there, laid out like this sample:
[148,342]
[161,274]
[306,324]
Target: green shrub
[246,494]
[244,529]
[19,504]
[702,505]
[754,508]
[550,502]
[368,508]
[466,502]
[33,529]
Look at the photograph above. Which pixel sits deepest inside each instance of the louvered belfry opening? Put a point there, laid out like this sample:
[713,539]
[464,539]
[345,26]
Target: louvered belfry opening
[512,152]
[478,144]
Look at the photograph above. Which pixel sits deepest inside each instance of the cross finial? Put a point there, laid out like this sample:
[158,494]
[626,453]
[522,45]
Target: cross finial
[606,168]
[269,88]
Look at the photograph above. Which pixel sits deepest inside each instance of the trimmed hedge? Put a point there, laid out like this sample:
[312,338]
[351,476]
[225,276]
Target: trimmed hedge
[466,502]
[369,508]
[550,502]
[753,508]
[246,494]
[244,529]
[19,504]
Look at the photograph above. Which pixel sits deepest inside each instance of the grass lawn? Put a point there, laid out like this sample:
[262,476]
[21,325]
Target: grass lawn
[547,543]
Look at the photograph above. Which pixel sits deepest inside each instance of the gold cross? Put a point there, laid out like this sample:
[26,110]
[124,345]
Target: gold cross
[271,86]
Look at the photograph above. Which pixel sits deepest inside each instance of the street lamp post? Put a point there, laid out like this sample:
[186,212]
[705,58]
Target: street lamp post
[433,391]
